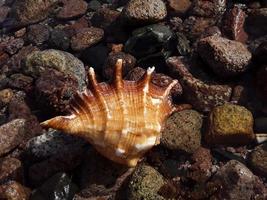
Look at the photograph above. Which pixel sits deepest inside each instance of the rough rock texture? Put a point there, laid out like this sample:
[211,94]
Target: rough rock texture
[72,8]
[11,169]
[225,57]
[204,8]
[179,7]
[37,34]
[14,191]
[230,125]
[144,11]
[182,131]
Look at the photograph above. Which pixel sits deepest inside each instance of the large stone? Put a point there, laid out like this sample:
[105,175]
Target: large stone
[230,125]
[13,190]
[72,8]
[11,169]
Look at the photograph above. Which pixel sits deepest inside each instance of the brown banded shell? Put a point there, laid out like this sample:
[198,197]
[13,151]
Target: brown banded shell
[122,120]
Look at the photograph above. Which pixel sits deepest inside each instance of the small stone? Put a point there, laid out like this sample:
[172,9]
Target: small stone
[234,25]
[94,5]
[234,180]
[37,34]
[145,183]
[127,65]
[21,82]
[59,39]
[72,29]
[179,7]
[256,22]
[4,10]
[104,18]
[230,125]
[13,46]
[144,11]
[5,96]
[225,57]
[72,8]
[20,33]
[183,131]
[11,169]
[203,8]
[258,159]
[86,38]
[11,135]
[14,191]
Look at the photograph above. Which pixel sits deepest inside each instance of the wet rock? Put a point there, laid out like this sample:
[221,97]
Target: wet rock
[225,57]
[14,191]
[11,169]
[21,82]
[262,81]
[261,125]
[58,186]
[54,90]
[258,159]
[26,12]
[4,10]
[202,96]
[157,38]
[37,34]
[128,64]
[234,180]
[204,8]
[179,7]
[59,39]
[144,11]
[233,26]
[183,46]
[86,38]
[11,135]
[104,18]
[182,131]
[64,62]
[230,125]
[261,52]
[5,96]
[72,8]
[13,45]
[145,183]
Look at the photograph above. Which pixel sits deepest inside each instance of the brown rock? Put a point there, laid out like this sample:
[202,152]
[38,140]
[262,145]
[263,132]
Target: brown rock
[79,25]
[14,191]
[262,81]
[13,45]
[72,8]
[5,96]
[135,74]
[234,25]
[201,95]
[213,8]
[11,169]
[4,10]
[37,34]
[210,31]
[20,33]
[179,7]
[104,17]
[225,57]
[21,82]
[86,38]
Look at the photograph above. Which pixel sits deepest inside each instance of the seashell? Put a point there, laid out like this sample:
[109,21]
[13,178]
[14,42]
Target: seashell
[122,120]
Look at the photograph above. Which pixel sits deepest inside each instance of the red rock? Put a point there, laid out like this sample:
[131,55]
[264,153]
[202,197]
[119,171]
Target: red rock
[72,8]
[208,8]
[14,191]
[11,169]
[179,7]
[80,24]
[234,25]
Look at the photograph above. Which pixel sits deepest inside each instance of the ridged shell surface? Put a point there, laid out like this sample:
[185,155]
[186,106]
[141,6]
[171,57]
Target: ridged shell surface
[122,119]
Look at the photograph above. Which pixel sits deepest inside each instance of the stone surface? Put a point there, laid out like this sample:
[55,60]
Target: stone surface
[5,96]
[11,135]
[72,8]
[59,39]
[37,34]
[182,131]
[258,159]
[13,190]
[21,82]
[144,11]
[12,45]
[255,24]
[4,10]
[230,125]
[261,52]
[104,18]
[214,8]
[145,183]
[225,57]
[183,45]
[179,7]
[86,38]
[11,169]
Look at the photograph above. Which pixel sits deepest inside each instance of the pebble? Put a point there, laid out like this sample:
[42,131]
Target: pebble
[225,57]
[4,10]
[86,37]
[13,45]
[144,11]
[72,9]
[59,39]
[21,82]
[179,8]
[202,96]
[182,131]
[13,190]
[230,125]
[11,169]
[258,159]
[37,34]
[145,183]
[104,18]
[11,135]
[5,96]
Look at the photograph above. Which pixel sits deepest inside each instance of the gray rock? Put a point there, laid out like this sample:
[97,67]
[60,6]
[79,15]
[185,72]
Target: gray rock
[37,34]
[59,39]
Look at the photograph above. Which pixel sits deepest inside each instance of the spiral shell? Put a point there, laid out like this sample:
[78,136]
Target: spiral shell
[122,120]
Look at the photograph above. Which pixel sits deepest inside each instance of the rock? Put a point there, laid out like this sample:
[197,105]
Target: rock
[262,81]
[225,57]
[230,125]
[3,58]
[4,10]
[145,183]
[104,18]
[128,64]
[59,39]
[5,96]
[179,7]
[144,11]
[64,62]
[234,180]
[37,34]
[210,31]
[26,12]
[176,24]
[11,169]
[182,131]
[72,29]
[233,26]
[58,186]
[260,125]
[157,38]
[21,82]
[183,45]
[94,5]
[11,135]
[204,8]
[258,159]
[13,45]
[54,90]
[261,52]
[135,74]
[202,96]
[72,8]
[86,38]
[14,191]
[20,33]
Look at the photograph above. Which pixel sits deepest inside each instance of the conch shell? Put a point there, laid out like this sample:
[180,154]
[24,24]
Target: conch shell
[122,120]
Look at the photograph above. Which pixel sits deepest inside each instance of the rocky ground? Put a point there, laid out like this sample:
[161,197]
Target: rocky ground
[217,49]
